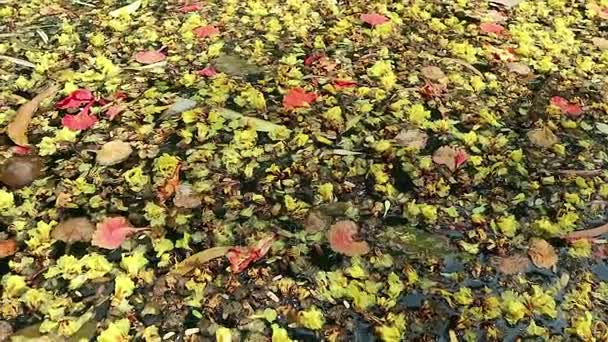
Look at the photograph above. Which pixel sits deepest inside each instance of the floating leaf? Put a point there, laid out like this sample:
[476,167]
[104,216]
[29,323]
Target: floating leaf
[298,97]
[112,232]
[413,138]
[206,31]
[80,121]
[255,123]
[235,65]
[512,264]
[542,253]
[17,129]
[543,137]
[190,8]
[179,106]
[373,19]
[341,239]
[129,9]
[76,99]
[200,258]
[7,248]
[341,84]
[149,57]
[207,72]
[73,230]
[113,152]
[491,28]
[433,73]
[451,157]
[241,257]
[570,108]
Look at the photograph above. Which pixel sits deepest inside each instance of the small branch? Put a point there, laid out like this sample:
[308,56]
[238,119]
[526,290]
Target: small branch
[582,173]
[588,233]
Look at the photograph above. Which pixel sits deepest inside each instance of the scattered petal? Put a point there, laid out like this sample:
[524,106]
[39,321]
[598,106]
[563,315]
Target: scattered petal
[543,137]
[149,57]
[542,253]
[491,28]
[112,232]
[7,248]
[570,108]
[373,19]
[452,157]
[73,230]
[113,152]
[17,128]
[206,31]
[413,138]
[298,97]
[341,239]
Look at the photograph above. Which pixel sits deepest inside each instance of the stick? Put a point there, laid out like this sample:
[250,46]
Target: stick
[588,233]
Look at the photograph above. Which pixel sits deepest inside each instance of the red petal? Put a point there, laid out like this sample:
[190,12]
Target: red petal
[374,18]
[206,31]
[298,97]
[81,121]
[112,232]
[149,57]
[190,8]
[340,84]
[491,28]
[341,239]
[207,72]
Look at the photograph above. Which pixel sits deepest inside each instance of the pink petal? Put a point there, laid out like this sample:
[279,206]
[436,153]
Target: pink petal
[491,28]
[340,84]
[341,239]
[206,31]
[112,232]
[373,18]
[190,8]
[81,121]
[207,72]
[149,57]
[298,97]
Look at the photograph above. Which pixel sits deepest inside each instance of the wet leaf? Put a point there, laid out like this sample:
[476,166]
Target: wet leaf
[450,156]
[297,98]
[514,264]
[149,57]
[341,239]
[241,257]
[200,258]
[542,253]
[113,152]
[7,248]
[112,232]
[543,137]
[17,128]
[74,230]
[373,19]
[413,138]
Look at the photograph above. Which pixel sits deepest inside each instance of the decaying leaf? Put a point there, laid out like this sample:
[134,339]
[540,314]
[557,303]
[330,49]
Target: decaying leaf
[185,197]
[512,264]
[255,123]
[542,253]
[241,257]
[341,239]
[8,247]
[450,156]
[543,137]
[73,230]
[112,232]
[433,73]
[413,138]
[113,152]
[17,129]
[200,258]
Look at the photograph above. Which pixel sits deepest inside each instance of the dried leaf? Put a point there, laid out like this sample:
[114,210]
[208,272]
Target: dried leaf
[519,68]
[298,97]
[7,248]
[413,138]
[185,197]
[168,189]
[73,230]
[17,129]
[450,156]
[433,73]
[112,232]
[113,152]
[542,253]
[600,43]
[241,257]
[543,137]
[200,258]
[512,264]
[341,239]
[588,233]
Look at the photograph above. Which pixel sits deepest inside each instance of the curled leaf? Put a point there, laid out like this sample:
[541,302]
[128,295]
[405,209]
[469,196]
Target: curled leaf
[149,57]
[73,230]
[7,248]
[341,239]
[112,232]
[113,152]
[542,253]
[452,157]
[543,137]
[17,129]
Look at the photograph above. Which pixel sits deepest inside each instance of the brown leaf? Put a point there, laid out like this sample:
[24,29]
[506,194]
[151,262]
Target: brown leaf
[186,197]
[17,129]
[588,233]
[519,68]
[543,137]
[315,222]
[341,239]
[200,258]
[433,73]
[513,264]
[7,247]
[542,253]
[73,230]
[411,138]
[600,43]
[450,156]
[113,152]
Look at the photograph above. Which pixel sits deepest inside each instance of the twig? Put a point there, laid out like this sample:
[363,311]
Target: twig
[18,61]
[582,173]
[588,233]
